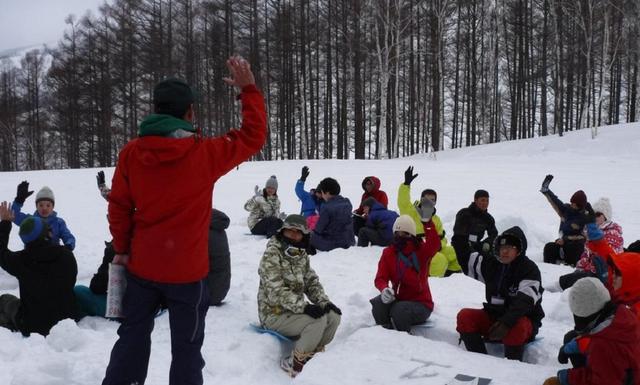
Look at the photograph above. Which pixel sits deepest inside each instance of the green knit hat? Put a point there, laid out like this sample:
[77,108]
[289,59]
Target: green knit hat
[32,228]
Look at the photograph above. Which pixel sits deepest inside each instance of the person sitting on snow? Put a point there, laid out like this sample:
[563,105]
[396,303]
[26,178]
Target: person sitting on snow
[570,245]
[265,217]
[45,201]
[378,228]
[335,225]
[474,221]
[311,200]
[444,263]
[513,312]
[404,264]
[286,277]
[605,347]
[371,187]
[46,274]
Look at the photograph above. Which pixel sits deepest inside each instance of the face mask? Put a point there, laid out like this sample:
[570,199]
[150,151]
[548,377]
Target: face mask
[400,242]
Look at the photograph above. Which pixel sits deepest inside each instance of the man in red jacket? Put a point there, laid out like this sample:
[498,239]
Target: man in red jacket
[159,211]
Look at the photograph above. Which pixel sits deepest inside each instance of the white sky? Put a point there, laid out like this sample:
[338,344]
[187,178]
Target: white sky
[36,22]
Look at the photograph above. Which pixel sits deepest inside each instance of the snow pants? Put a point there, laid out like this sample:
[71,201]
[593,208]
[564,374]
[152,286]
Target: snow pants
[401,315]
[569,253]
[9,305]
[187,303]
[375,237]
[314,333]
[479,321]
[444,261]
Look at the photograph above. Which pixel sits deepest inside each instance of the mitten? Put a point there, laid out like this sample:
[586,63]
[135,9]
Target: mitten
[257,192]
[409,176]
[545,183]
[331,307]
[387,295]
[304,174]
[23,192]
[314,311]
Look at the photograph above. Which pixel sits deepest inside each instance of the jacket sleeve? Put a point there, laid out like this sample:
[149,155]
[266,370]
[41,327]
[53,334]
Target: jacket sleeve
[323,220]
[384,199]
[121,207]
[404,199]
[300,193]
[473,264]
[528,295]
[312,287]
[462,223]
[236,146]
[275,289]
[556,203]
[9,260]
[65,234]
[491,229]
[17,212]
[383,275]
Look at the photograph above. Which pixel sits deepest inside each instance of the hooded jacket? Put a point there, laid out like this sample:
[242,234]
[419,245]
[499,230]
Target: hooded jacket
[375,193]
[260,207]
[160,201]
[612,349]
[572,221]
[310,204]
[380,218]
[46,276]
[335,225]
[517,284]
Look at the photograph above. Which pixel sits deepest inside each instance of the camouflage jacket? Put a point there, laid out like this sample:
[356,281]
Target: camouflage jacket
[284,281]
[260,207]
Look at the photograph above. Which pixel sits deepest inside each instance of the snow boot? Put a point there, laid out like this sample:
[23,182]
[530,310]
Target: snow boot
[294,363]
[473,342]
[514,352]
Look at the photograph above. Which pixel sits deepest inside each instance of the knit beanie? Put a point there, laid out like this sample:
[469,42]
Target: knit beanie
[480,194]
[172,97]
[579,198]
[587,297]
[406,224]
[295,222]
[45,194]
[272,182]
[508,240]
[425,209]
[603,205]
[32,228]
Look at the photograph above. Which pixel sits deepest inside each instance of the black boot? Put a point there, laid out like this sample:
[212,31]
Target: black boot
[514,352]
[473,342]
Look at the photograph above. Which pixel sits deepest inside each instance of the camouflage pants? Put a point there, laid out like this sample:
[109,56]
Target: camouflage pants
[314,333]
[9,305]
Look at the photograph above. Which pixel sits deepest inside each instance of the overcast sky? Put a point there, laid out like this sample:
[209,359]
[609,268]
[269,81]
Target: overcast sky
[37,22]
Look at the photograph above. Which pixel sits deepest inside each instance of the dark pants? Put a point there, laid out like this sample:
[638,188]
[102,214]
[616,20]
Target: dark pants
[188,304]
[567,280]
[219,277]
[569,253]
[368,235]
[267,226]
[400,315]
[9,305]
[358,223]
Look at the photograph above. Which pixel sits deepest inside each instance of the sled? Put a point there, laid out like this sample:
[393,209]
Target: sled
[286,342]
[421,329]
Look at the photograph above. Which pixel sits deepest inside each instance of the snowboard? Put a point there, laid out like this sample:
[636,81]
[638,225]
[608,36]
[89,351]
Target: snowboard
[463,379]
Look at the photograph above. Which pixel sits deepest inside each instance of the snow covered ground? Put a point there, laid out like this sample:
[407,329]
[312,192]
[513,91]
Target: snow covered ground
[361,353]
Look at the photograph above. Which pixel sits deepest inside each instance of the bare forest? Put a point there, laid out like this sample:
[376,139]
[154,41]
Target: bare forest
[357,79]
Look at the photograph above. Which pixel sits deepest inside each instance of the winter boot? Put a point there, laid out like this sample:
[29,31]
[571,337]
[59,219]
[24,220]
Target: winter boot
[294,363]
[473,342]
[514,352]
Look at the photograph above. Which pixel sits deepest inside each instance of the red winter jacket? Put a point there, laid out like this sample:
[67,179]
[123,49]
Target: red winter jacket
[376,193]
[611,352]
[160,202]
[408,283]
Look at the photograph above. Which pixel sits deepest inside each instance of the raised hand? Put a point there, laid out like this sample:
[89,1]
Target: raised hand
[6,214]
[545,183]
[304,174]
[23,192]
[240,70]
[409,176]
[100,179]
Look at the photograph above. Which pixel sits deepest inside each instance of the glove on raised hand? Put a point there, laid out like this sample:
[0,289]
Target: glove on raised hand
[257,192]
[304,174]
[331,307]
[545,183]
[23,192]
[100,179]
[409,176]
[387,295]
[314,311]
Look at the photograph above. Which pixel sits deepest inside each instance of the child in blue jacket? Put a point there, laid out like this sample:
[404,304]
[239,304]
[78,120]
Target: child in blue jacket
[45,201]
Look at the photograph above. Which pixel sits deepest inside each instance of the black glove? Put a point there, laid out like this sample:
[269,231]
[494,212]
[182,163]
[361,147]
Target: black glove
[314,311]
[23,192]
[545,183]
[563,357]
[409,176]
[100,179]
[330,306]
[304,174]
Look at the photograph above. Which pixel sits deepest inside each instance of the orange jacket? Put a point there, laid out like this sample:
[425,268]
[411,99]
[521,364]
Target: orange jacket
[160,202]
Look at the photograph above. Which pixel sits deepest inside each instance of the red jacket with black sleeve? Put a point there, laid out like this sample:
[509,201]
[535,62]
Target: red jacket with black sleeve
[160,202]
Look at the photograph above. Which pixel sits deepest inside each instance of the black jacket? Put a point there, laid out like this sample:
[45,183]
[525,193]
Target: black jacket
[46,275]
[219,257]
[100,279]
[572,221]
[518,284]
[473,222]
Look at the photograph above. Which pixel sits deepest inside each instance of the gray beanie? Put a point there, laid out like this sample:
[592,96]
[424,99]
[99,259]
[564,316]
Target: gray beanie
[588,296]
[272,182]
[45,194]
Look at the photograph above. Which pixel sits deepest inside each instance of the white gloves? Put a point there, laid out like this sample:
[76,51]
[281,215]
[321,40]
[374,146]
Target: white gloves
[387,295]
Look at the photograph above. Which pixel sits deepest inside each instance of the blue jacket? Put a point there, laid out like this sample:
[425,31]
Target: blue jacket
[572,221]
[382,219]
[335,225]
[56,224]
[310,204]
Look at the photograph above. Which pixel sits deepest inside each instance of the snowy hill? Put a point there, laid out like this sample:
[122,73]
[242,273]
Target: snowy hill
[361,353]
